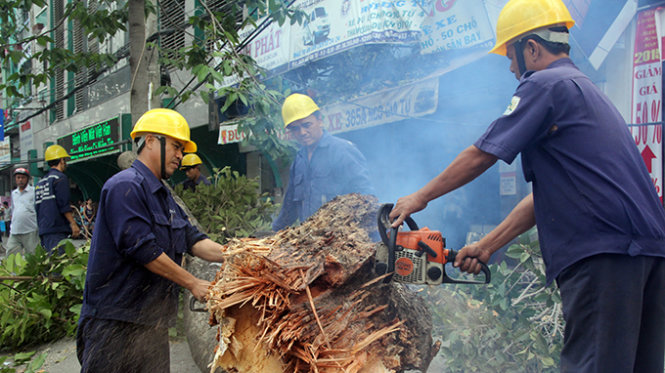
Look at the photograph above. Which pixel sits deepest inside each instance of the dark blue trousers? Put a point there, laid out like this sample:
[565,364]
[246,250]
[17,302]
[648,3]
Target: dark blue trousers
[51,240]
[614,308]
[111,346]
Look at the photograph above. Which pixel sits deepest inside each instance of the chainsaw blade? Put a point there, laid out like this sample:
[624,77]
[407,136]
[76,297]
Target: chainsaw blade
[381,259]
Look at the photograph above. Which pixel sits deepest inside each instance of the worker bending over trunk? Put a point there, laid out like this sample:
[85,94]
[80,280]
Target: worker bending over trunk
[134,274]
[600,222]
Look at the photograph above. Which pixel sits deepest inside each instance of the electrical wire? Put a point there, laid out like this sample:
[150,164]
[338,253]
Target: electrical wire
[120,54]
[124,53]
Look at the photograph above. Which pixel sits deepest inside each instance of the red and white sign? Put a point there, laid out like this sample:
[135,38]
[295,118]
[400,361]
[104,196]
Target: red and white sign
[647,71]
[229,135]
[647,93]
[649,140]
[25,139]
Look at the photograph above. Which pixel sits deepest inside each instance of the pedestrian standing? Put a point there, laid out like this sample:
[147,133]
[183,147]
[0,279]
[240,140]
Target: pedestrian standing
[88,216]
[601,224]
[7,216]
[24,236]
[55,220]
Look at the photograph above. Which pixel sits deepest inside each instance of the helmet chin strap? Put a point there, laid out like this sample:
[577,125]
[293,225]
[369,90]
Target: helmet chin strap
[162,143]
[519,55]
[140,143]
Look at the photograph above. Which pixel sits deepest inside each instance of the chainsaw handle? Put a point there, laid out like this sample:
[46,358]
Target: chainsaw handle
[193,308]
[483,267]
[384,224]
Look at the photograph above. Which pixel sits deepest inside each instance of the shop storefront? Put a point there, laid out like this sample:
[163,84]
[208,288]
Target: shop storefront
[94,151]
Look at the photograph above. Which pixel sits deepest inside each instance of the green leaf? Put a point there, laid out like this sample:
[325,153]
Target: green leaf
[204,95]
[36,363]
[47,313]
[201,72]
[76,309]
[22,357]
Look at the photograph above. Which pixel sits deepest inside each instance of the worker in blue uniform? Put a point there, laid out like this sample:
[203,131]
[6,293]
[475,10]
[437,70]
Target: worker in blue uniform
[55,220]
[191,164]
[325,166]
[134,273]
[600,222]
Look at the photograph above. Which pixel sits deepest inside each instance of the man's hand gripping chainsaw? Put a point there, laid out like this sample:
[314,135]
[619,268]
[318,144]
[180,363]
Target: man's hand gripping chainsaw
[418,256]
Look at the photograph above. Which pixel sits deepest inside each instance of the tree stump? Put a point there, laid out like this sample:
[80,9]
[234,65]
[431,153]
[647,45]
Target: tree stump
[201,337]
[307,300]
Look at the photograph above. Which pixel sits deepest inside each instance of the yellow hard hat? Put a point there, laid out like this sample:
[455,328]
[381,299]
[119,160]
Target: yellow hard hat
[518,17]
[297,106]
[190,160]
[165,122]
[55,152]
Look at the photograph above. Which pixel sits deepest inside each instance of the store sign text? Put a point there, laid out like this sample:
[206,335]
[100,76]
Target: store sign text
[93,140]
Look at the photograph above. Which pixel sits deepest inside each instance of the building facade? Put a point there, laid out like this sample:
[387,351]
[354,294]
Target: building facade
[412,86]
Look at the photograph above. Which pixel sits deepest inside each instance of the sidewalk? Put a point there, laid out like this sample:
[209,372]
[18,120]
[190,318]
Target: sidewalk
[61,357]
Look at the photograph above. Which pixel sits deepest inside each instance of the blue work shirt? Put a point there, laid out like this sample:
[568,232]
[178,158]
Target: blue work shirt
[137,221]
[52,202]
[189,184]
[592,192]
[337,167]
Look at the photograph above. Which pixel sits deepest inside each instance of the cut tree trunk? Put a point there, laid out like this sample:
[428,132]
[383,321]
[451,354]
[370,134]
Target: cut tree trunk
[307,300]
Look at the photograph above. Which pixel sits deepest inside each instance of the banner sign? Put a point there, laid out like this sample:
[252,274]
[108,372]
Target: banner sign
[452,25]
[334,26]
[2,124]
[229,135]
[26,139]
[647,97]
[86,143]
[5,151]
[649,141]
[391,105]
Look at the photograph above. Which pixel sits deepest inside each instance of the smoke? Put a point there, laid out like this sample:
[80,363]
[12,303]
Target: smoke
[403,156]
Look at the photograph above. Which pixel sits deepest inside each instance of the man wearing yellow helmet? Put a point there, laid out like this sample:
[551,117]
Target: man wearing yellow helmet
[140,237]
[601,224]
[54,215]
[191,165]
[325,167]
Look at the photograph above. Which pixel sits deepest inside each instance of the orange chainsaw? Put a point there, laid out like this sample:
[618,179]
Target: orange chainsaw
[418,256]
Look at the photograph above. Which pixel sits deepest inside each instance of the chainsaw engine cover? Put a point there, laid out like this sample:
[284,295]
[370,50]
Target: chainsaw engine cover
[417,256]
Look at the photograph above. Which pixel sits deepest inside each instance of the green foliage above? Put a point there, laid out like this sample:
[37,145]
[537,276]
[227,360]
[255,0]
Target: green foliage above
[43,301]
[213,57]
[15,38]
[514,324]
[230,207]
[219,62]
